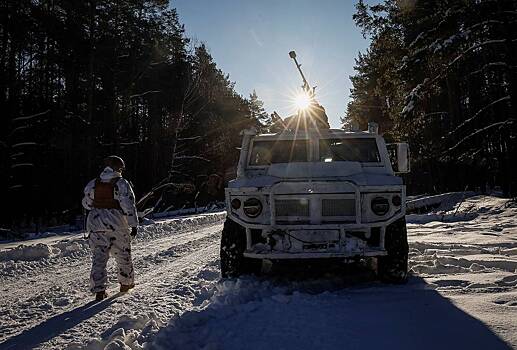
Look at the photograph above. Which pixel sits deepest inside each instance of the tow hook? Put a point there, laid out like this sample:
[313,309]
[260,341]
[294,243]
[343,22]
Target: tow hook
[271,241]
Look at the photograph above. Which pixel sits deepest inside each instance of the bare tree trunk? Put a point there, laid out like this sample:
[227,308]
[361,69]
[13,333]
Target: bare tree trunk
[91,82]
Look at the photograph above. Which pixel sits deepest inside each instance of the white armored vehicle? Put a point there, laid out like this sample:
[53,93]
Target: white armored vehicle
[316,193]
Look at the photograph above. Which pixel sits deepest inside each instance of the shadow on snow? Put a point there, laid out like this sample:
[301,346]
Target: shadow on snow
[325,313]
[304,312]
[56,325]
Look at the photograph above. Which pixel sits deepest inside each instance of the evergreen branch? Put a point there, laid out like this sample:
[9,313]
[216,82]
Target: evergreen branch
[144,94]
[193,157]
[500,124]
[478,113]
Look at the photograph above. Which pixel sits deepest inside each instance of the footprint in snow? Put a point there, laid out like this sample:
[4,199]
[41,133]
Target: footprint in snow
[506,302]
[508,281]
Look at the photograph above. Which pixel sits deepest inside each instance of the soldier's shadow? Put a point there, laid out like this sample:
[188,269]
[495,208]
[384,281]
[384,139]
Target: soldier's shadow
[56,325]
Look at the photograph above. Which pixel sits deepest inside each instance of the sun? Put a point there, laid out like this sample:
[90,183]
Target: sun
[302,101]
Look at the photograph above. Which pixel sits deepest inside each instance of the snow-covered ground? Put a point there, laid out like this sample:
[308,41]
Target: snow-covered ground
[462,293]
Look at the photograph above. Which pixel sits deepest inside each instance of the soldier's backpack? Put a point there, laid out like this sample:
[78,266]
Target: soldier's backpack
[104,194]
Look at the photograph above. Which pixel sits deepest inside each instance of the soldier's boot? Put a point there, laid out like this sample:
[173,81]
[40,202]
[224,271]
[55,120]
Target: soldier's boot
[124,288]
[99,296]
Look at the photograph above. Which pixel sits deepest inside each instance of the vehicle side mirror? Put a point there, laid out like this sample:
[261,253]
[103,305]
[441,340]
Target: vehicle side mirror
[399,157]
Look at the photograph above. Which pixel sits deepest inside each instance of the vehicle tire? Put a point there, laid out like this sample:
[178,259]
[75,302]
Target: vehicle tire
[233,245]
[392,268]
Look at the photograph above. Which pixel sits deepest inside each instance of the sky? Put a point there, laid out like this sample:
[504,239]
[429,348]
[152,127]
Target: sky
[250,40]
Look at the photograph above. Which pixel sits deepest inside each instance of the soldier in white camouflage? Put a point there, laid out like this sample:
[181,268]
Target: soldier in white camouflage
[111,223]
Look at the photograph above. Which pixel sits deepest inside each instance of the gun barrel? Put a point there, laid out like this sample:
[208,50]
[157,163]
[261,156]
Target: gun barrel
[306,85]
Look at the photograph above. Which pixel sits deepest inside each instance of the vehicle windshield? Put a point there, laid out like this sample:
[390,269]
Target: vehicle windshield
[280,151]
[362,150]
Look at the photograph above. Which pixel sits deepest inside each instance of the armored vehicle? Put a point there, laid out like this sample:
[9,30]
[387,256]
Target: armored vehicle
[316,193]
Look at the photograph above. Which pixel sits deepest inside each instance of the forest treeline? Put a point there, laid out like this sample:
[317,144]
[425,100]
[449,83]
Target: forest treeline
[80,80]
[442,75]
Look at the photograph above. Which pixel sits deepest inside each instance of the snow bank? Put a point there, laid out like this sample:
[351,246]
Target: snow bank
[28,252]
[165,227]
[453,207]
[444,201]
[8,236]
[45,252]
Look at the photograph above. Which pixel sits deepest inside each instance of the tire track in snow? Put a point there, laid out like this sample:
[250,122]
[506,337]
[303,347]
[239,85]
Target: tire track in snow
[21,311]
[77,274]
[162,292]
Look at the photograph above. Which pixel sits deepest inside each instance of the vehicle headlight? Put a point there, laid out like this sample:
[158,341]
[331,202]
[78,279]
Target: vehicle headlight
[252,207]
[380,205]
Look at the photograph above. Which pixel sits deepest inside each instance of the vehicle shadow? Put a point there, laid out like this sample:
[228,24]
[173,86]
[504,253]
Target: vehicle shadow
[56,325]
[327,312]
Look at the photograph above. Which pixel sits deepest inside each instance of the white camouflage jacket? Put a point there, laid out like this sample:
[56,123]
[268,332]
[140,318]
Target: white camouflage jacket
[111,219]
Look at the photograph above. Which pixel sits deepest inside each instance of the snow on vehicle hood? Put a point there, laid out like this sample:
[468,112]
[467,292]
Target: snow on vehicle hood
[312,170]
[361,179]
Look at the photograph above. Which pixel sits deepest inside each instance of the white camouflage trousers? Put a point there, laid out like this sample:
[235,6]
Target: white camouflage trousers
[118,243]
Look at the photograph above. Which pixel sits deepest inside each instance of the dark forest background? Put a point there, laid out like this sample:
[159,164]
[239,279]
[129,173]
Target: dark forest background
[80,80]
[442,75]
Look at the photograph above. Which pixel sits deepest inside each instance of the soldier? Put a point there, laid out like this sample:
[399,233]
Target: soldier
[111,223]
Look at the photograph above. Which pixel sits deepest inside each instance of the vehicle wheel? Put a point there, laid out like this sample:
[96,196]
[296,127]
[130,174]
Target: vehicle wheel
[233,245]
[392,268]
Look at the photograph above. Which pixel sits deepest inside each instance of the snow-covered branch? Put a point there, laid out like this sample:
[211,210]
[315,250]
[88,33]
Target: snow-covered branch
[490,64]
[478,113]
[18,129]
[416,92]
[144,94]
[72,115]
[21,164]
[31,116]
[500,124]
[474,47]
[189,138]
[21,144]
[193,157]
[128,143]
[435,113]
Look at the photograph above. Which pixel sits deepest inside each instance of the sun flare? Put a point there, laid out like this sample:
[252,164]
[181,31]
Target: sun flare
[302,101]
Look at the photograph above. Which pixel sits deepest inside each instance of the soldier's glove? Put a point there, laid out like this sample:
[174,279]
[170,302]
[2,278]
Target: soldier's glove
[134,231]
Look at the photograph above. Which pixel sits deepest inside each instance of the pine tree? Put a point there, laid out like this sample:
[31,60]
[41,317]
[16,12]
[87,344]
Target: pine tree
[441,75]
[258,113]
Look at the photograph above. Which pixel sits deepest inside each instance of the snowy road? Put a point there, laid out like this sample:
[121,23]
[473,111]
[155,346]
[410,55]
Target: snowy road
[463,293]
[45,302]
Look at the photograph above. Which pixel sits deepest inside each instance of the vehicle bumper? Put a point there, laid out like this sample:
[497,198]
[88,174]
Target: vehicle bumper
[315,234]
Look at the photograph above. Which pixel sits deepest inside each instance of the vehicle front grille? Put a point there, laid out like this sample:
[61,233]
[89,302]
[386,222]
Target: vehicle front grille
[338,207]
[292,207]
